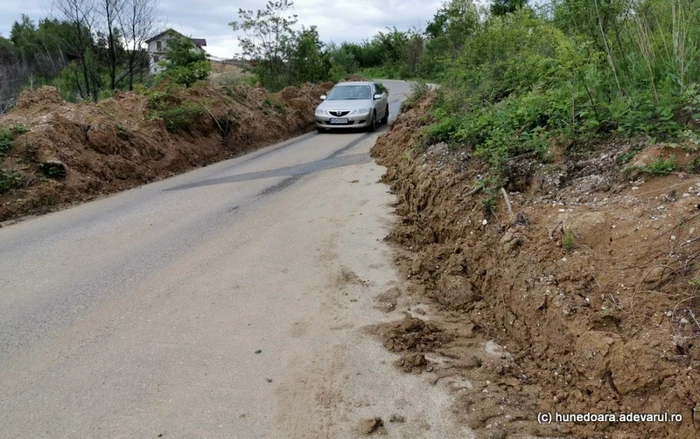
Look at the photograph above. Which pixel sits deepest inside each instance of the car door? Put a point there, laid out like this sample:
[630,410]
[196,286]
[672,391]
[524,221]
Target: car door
[380,105]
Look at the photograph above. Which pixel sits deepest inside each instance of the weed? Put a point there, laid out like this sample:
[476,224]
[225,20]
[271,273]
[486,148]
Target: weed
[182,117]
[489,204]
[275,104]
[569,240]
[7,137]
[630,154]
[9,180]
[123,132]
[660,166]
[418,91]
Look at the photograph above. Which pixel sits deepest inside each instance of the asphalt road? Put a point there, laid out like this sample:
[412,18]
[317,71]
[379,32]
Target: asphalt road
[226,302]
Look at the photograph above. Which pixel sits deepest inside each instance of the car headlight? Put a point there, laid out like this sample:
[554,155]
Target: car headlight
[361,111]
[320,112]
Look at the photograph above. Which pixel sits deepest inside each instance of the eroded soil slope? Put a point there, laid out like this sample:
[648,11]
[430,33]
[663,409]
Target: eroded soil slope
[63,153]
[591,283]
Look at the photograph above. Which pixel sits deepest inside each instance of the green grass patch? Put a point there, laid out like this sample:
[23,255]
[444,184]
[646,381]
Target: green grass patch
[568,240]
[659,166]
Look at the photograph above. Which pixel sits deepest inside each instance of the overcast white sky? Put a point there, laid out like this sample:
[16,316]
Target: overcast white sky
[337,20]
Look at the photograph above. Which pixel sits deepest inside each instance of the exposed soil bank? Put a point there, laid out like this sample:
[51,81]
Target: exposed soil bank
[76,152]
[588,283]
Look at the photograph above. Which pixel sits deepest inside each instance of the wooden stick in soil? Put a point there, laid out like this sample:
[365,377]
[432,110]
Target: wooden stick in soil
[507,200]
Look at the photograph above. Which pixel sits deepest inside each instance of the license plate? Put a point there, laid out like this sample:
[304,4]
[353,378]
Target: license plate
[339,120]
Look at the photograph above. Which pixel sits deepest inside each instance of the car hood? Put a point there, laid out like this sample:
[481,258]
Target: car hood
[352,104]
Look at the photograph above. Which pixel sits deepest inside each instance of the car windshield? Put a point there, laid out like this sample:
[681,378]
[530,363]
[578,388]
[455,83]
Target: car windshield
[349,92]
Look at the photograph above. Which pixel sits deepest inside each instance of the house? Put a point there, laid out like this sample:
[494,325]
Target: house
[157,46]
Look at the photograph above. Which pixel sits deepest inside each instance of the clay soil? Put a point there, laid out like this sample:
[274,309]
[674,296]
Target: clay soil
[582,299]
[76,152]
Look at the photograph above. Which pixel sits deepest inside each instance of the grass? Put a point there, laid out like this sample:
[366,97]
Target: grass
[418,91]
[659,166]
[569,240]
[275,104]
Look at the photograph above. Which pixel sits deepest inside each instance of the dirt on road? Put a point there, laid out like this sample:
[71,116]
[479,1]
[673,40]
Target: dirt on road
[60,153]
[582,299]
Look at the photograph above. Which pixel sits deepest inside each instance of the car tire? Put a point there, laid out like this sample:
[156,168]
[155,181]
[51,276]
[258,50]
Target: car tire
[373,123]
[385,119]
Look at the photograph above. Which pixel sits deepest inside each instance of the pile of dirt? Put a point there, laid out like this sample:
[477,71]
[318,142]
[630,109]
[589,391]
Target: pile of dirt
[591,282]
[64,152]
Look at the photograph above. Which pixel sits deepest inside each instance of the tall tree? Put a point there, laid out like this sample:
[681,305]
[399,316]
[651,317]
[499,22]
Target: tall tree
[503,7]
[138,23]
[268,38]
[110,12]
[81,16]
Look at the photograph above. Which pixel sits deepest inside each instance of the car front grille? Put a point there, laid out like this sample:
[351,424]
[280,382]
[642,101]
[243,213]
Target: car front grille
[338,113]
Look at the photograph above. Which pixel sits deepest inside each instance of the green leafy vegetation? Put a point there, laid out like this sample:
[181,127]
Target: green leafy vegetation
[522,80]
[659,166]
[9,180]
[568,240]
[183,65]
[178,115]
[7,137]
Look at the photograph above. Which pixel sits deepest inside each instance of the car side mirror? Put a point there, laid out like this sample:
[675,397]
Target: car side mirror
[323,97]
[377,97]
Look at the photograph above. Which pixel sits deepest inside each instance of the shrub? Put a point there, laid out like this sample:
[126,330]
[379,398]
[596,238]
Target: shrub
[7,137]
[9,180]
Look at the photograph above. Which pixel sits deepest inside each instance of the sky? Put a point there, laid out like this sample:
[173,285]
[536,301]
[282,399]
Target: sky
[337,20]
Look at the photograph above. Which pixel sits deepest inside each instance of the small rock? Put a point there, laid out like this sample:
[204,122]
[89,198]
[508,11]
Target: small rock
[473,362]
[484,222]
[655,275]
[371,426]
[684,321]
[397,418]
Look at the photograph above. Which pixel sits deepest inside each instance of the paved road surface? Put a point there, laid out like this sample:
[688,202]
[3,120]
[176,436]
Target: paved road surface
[221,303]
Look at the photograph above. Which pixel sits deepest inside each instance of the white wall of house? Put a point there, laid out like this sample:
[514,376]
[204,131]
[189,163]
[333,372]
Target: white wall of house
[157,49]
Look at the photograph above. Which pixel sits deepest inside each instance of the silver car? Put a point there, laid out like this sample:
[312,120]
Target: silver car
[353,105]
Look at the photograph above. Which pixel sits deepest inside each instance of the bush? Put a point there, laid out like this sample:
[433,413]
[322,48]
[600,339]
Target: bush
[182,64]
[9,180]
[7,137]
[518,83]
[180,118]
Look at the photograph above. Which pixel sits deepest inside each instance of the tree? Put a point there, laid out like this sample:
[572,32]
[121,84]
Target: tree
[342,57]
[183,64]
[138,23]
[81,17]
[268,38]
[309,62]
[110,11]
[503,7]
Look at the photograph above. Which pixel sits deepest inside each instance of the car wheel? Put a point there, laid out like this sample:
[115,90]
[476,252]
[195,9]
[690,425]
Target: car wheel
[373,124]
[385,119]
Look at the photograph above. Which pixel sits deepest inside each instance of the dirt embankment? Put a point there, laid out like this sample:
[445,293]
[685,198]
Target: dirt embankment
[63,153]
[591,284]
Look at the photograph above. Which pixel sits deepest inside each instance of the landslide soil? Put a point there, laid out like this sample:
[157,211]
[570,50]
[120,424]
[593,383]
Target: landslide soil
[76,152]
[589,285]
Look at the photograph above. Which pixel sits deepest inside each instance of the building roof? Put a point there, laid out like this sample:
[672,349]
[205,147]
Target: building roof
[201,42]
